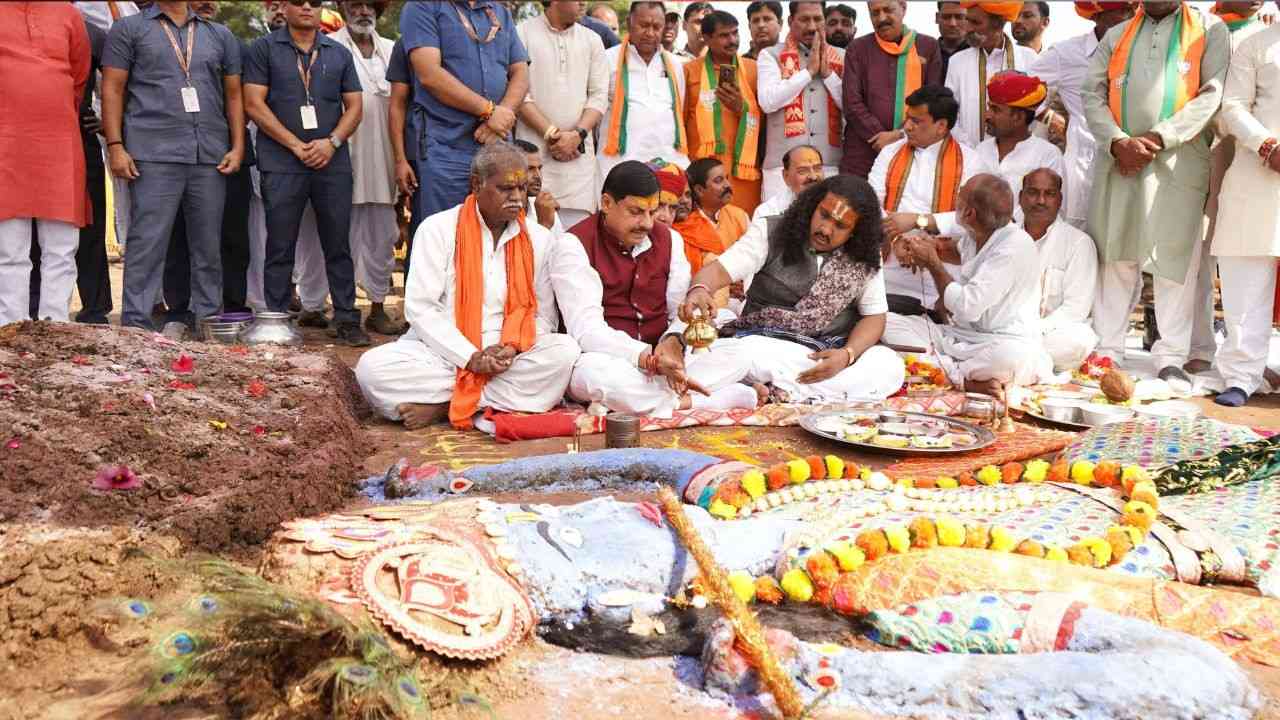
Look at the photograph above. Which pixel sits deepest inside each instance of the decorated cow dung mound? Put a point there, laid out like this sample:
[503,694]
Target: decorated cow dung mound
[213,444]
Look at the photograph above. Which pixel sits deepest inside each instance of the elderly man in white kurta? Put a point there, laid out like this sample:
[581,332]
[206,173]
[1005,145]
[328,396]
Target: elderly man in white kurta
[1247,240]
[1154,85]
[1010,150]
[644,120]
[1068,271]
[480,337]
[1062,66]
[801,90]
[992,338]
[918,180]
[990,51]
[802,166]
[567,97]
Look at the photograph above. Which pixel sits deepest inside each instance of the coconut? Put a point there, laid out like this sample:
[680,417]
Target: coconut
[1117,385]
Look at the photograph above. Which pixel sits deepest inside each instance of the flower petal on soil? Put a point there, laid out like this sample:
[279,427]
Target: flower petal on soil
[116,477]
[13,444]
[256,389]
[184,364]
[181,385]
[218,425]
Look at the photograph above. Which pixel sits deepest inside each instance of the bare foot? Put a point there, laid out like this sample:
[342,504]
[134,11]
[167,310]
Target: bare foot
[416,416]
[1196,366]
[1272,377]
[762,393]
[992,387]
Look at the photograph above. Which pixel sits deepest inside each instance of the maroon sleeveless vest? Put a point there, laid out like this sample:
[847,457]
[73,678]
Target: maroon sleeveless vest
[635,288]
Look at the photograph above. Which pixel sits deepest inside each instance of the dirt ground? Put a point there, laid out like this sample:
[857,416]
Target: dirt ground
[226,489]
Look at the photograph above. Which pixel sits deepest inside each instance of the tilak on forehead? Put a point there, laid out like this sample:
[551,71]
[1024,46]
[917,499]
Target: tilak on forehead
[840,210]
[647,202]
[515,177]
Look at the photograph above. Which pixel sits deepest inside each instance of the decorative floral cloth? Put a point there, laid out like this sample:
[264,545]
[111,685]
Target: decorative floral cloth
[1154,443]
[966,623]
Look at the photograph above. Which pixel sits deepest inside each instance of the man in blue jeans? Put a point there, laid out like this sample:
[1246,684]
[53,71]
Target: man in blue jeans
[302,91]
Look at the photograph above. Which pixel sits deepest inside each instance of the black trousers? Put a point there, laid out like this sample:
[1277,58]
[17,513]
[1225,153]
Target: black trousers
[235,254]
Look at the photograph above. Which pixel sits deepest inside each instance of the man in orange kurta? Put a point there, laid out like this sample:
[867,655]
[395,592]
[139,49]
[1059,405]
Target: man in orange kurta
[44,63]
[723,119]
[714,224]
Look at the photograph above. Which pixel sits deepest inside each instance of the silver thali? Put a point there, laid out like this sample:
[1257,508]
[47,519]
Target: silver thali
[922,432]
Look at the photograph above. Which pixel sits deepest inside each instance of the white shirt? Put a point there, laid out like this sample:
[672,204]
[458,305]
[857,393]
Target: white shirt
[998,288]
[98,12]
[917,197]
[1062,67]
[775,205]
[532,216]
[1068,275]
[429,291]
[775,94]
[651,124]
[1030,154]
[962,78]
[744,259]
[373,166]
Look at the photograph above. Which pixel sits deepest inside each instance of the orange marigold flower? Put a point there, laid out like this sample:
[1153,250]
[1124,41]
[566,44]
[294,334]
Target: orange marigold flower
[927,482]
[822,569]
[817,467]
[1106,473]
[844,594]
[966,478]
[1080,555]
[1011,473]
[1145,495]
[977,536]
[851,470]
[1030,548]
[924,534]
[1138,514]
[1120,545]
[821,596]
[732,493]
[873,544]
[778,476]
[1060,472]
[768,590]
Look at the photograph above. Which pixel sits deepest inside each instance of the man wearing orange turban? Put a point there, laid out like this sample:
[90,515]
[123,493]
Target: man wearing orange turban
[990,51]
[1010,149]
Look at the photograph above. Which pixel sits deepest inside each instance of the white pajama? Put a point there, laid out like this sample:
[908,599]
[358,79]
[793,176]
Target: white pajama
[876,375]
[970,354]
[374,233]
[308,264]
[1248,290]
[255,294]
[58,243]
[1069,344]
[1119,284]
[407,371]
[618,384]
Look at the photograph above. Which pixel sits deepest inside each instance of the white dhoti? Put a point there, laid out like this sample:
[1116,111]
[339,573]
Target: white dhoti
[1069,344]
[407,371]
[374,233]
[876,375]
[622,387]
[308,264]
[972,355]
[58,243]
[1119,285]
[255,293]
[1248,291]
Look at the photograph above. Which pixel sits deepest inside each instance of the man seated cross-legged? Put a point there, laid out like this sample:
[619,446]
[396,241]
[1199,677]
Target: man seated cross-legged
[634,274]
[816,306]
[991,337]
[481,305]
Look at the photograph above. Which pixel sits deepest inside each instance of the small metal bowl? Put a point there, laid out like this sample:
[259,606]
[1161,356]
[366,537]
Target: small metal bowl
[1067,411]
[213,330]
[889,416]
[1098,415]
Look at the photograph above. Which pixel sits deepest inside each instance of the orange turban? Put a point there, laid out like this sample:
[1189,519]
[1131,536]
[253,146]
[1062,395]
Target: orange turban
[1008,11]
[330,21]
[671,181]
[1015,88]
[1087,10]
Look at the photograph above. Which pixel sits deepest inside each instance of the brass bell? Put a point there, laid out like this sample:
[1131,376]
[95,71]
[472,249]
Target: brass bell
[700,333]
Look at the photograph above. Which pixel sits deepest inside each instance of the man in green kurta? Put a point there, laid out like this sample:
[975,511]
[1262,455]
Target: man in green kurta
[1146,210]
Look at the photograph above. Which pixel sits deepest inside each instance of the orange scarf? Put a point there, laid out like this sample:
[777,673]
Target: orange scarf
[946,178]
[616,133]
[519,321]
[1181,65]
[746,137]
[1234,21]
[793,113]
[910,72]
[701,236]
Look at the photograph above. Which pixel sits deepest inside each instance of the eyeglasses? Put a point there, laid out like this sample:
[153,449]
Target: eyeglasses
[300,3]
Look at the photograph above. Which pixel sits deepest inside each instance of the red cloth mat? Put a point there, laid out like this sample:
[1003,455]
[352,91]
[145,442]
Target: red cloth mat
[1023,444]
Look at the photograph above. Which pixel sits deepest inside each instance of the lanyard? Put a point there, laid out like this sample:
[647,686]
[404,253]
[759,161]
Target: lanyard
[183,62]
[494,25]
[306,74]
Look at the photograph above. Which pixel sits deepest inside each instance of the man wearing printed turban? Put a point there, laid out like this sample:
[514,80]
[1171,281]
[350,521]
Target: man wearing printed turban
[990,51]
[1010,149]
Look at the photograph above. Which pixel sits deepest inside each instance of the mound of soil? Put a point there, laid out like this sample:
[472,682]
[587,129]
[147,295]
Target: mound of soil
[226,442]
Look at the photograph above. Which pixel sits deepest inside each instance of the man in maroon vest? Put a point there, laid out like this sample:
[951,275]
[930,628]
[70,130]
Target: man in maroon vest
[640,277]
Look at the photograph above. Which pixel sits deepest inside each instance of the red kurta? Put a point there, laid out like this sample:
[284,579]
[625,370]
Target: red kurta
[44,63]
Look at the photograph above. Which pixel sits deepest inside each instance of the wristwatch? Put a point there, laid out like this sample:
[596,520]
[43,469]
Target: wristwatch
[335,141]
[582,135]
[922,221]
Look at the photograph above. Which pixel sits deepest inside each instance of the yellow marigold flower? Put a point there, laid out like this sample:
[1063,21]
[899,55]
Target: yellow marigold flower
[797,586]
[907,482]
[989,475]
[722,510]
[848,556]
[1146,492]
[1099,549]
[950,531]
[1139,514]
[977,536]
[799,470]
[753,481]
[1079,554]
[1002,540]
[835,467]
[946,482]
[1082,472]
[1035,471]
[899,538]
[1055,553]
[865,474]
[1133,474]
[744,586]
[924,534]
[1135,534]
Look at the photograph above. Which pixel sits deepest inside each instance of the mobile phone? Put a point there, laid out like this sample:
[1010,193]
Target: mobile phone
[727,76]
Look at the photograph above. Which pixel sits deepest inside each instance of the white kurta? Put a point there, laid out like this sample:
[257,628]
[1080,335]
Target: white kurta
[917,197]
[775,205]
[1062,66]
[1247,238]
[775,93]
[651,122]
[1068,283]
[567,75]
[962,78]
[421,366]
[1030,154]
[373,173]
[556,228]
